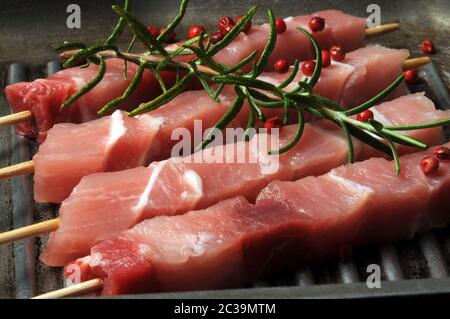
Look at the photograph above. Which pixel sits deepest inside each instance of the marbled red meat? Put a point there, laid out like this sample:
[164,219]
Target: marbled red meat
[107,203]
[44,97]
[58,163]
[291,225]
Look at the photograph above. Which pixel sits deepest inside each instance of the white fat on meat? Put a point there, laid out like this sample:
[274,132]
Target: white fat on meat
[259,148]
[144,198]
[343,65]
[79,81]
[117,128]
[154,123]
[358,188]
[380,117]
[96,259]
[195,181]
[202,240]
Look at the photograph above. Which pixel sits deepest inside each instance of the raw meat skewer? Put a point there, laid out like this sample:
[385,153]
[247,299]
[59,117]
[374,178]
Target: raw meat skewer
[33,104]
[39,102]
[178,186]
[351,89]
[292,224]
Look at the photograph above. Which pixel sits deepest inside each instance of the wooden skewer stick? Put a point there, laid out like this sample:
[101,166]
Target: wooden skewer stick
[382,29]
[75,290]
[416,62]
[27,115]
[28,167]
[29,231]
[370,32]
[15,118]
[16,170]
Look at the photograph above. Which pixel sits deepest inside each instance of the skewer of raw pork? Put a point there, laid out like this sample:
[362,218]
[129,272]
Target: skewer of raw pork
[292,224]
[37,105]
[118,142]
[108,203]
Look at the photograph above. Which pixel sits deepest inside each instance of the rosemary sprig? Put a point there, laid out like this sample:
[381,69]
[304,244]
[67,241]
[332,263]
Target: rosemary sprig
[348,139]
[67,45]
[248,87]
[125,64]
[379,127]
[175,22]
[119,27]
[88,53]
[157,77]
[141,32]
[90,85]
[291,76]
[270,45]
[377,98]
[318,69]
[226,119]
[297,137]
[204,79]
[130,89]
[165,97]
[418,126]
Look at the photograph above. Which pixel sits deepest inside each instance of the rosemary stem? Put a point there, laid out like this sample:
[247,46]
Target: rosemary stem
[89,86]
[164,98]
[130,89]
[418,126]
[368,104]
[149,58]
[398,137]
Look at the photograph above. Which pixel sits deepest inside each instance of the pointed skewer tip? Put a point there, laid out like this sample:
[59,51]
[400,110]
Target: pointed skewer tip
[74,290]
[382,29]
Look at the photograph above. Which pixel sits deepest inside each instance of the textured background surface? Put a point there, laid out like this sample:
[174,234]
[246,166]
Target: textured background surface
[31,27]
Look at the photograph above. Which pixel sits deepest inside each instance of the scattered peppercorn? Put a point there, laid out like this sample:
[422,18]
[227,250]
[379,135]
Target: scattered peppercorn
[195,31]
[411,76]
[280,25]
[326,60]
[153,30]
[365,116]
[337,53]
[428,47]
[281,66]
[225,24]
[442,153]
[316,24]
[271,123]
[429,165]
[308,67]
[217,36]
